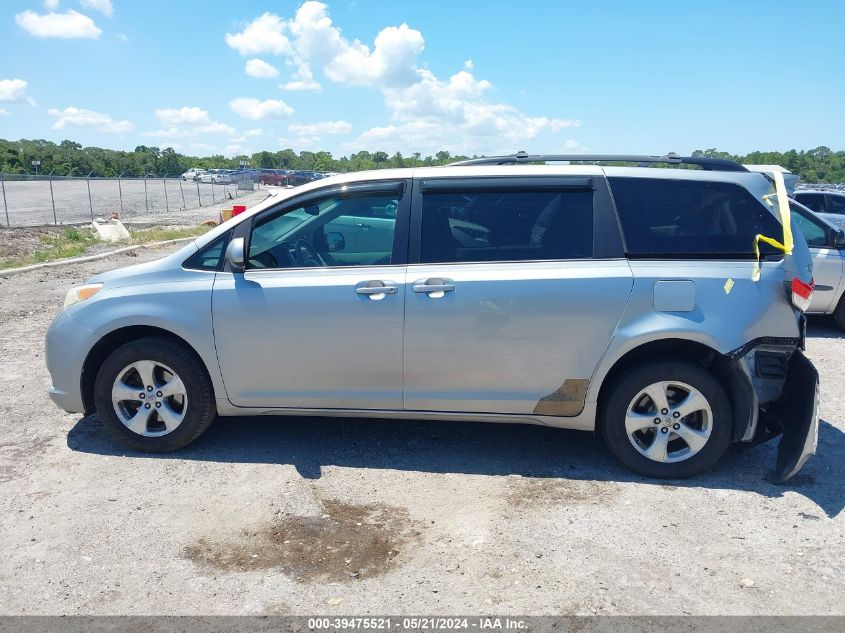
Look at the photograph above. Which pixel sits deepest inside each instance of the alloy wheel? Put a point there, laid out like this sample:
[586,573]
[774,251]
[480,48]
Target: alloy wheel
[669,421]
[149,398]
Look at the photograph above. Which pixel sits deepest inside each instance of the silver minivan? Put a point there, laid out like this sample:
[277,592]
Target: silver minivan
[622,300]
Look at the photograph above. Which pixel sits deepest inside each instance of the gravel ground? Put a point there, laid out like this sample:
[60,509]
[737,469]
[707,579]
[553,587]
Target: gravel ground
[29,202]
[276,515]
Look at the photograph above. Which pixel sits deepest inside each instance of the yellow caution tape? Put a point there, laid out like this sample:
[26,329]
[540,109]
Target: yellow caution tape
[786,223]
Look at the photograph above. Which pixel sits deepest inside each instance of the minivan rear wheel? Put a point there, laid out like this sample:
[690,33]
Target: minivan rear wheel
[668,419]
[154,395]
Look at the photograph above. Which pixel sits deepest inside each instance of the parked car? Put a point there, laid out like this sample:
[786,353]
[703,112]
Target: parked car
[277,177]
[826,241]
[193,174]
[218,177]
[621,300]
[827,203]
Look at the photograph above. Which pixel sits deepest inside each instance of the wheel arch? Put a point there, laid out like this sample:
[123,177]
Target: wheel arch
[110,342]
[688,350]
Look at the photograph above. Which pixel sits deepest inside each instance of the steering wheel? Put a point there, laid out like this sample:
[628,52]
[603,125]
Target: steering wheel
[305,255]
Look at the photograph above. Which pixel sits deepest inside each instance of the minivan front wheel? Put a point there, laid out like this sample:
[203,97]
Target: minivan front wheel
[153,394]
[669,419]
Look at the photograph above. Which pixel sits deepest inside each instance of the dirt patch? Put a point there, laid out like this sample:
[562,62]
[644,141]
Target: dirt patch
[346,542]
[16,243]
[535,491]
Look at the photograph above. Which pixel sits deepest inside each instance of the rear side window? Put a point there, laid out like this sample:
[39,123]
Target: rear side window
[489,226]
[685,218]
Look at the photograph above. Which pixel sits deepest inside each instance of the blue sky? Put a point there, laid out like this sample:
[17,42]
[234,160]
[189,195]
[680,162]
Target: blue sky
[471,77]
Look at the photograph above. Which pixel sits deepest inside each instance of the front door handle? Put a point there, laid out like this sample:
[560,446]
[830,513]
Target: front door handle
[434,287]
[376,289]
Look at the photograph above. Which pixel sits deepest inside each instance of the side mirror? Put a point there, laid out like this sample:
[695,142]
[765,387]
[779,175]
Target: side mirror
[335,242]
[235,257]
[837,237]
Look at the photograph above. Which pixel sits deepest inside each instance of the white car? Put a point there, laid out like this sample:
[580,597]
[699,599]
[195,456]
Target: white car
[193,174]
[217,177]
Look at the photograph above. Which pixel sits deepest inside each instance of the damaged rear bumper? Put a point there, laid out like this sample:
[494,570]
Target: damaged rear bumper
[768,404]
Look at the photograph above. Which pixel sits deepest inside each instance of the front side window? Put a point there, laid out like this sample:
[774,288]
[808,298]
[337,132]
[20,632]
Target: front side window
[690,218]
[338,230]
[490,226]
[813,201]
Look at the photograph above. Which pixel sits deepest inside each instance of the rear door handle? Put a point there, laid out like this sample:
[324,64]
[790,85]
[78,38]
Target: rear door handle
[376,289]
[435,287]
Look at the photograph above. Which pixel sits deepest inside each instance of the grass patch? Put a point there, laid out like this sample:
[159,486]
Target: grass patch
[161,233]
[74,242]
[70,243]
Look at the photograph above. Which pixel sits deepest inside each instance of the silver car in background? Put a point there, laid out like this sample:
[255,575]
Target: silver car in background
[826,240]
[619,300]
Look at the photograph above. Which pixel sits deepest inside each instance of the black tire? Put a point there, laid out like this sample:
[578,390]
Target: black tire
[201,408]
[839,313]
[626,387]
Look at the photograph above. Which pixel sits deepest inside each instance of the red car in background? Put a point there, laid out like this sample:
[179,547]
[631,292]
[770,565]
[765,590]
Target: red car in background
[278,177]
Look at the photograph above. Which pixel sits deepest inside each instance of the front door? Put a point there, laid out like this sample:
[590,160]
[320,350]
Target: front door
[315,321]
[508,311]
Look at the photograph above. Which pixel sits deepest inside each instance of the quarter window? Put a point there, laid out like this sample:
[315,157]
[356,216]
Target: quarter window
[209,257]
[490,226]
[690,218]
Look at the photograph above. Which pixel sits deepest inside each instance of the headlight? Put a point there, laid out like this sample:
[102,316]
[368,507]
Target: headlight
[81,293]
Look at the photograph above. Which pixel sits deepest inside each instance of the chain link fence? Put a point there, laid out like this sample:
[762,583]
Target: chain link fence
[30,200]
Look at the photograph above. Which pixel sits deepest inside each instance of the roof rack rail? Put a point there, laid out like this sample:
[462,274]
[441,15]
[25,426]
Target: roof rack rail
[711,164]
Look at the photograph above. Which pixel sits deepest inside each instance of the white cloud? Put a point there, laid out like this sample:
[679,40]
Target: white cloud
[256,110]
[68,25]
[310,39]
[187,121]
[427,113]
[190,115]
[260,69]
[103,6]
[14,91]
[265,34]
[454,114]
[303,79]
[4,112]
[76,117]
[318,129]
[309,135]
[213,127]
[572,146]
[392,61]
[256,131]
[123,37]
[52,5]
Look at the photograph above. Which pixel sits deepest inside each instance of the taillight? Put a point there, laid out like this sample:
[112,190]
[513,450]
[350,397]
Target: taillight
[802,293]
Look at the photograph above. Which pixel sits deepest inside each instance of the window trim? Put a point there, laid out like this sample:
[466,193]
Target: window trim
[399,254]
[607,241]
